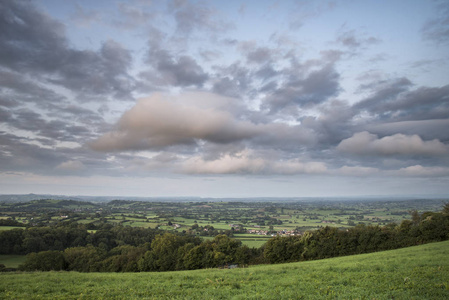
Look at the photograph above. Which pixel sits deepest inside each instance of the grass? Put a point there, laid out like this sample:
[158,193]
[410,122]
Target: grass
[420,272]
[12,261]
[10,227]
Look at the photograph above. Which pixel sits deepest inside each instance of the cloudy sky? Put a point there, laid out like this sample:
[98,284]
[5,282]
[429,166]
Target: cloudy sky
[224,98]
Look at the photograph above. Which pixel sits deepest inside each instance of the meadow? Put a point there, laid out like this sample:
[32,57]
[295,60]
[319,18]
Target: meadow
[419,272]
[12,261]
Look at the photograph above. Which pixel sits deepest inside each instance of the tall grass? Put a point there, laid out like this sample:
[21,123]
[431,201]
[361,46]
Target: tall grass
[420,272]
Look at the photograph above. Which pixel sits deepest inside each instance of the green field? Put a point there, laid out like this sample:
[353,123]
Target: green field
[12,261]
[10,227]
[420,272]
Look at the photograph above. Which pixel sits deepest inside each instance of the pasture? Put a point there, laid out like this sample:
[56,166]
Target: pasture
[420,272]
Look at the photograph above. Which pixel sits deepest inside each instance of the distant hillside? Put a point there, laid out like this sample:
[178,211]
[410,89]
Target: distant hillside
[420,272]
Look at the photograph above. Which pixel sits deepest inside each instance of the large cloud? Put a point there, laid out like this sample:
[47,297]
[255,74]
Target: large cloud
[365,143]
[193,118]
[160,121]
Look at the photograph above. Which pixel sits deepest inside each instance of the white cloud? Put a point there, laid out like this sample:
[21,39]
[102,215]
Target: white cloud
[246,162]
[162,120]
[71,165]
[227,164]
[420,171]
[357,171]
[365,143]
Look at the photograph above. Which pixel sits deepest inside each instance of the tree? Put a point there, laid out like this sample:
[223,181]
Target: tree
[44,261]
[84,259]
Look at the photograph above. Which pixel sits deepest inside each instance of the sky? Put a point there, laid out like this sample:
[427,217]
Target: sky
[224,98]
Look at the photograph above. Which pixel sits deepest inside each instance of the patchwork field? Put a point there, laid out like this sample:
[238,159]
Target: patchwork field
[420,272]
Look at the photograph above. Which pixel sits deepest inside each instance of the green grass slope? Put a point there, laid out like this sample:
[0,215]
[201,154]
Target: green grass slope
[420,272]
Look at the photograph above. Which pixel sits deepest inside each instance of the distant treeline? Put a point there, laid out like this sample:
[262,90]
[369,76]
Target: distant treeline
[126,249]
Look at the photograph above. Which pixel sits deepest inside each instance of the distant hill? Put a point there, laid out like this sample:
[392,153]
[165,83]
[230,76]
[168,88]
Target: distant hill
[102,199]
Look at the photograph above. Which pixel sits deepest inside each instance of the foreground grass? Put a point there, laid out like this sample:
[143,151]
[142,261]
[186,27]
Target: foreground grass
[420,272]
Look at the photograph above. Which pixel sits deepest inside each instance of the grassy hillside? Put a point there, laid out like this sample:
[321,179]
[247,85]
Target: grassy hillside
[420,272]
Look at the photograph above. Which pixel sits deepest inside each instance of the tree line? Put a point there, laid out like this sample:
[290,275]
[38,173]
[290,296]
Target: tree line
[332,242]
[127,249]
[166,252]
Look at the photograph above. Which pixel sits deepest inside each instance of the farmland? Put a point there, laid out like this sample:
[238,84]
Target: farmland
[420,272]
[252,222]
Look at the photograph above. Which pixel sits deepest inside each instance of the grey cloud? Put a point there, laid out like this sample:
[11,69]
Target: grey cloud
[169,69]
[17,90]
[191,17]
[397,103]
[437,29]
[354,40]
[209,55]
[132,16]
[266,72]
[19,154]
[334,123]
[83,17]
[314,88]
[234,80]
[29,39]
[88,72]
[53,129]
[383,92]
[420,104]
[259,55]
[427,129]
[31,42]
[303,10]
[184,71]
